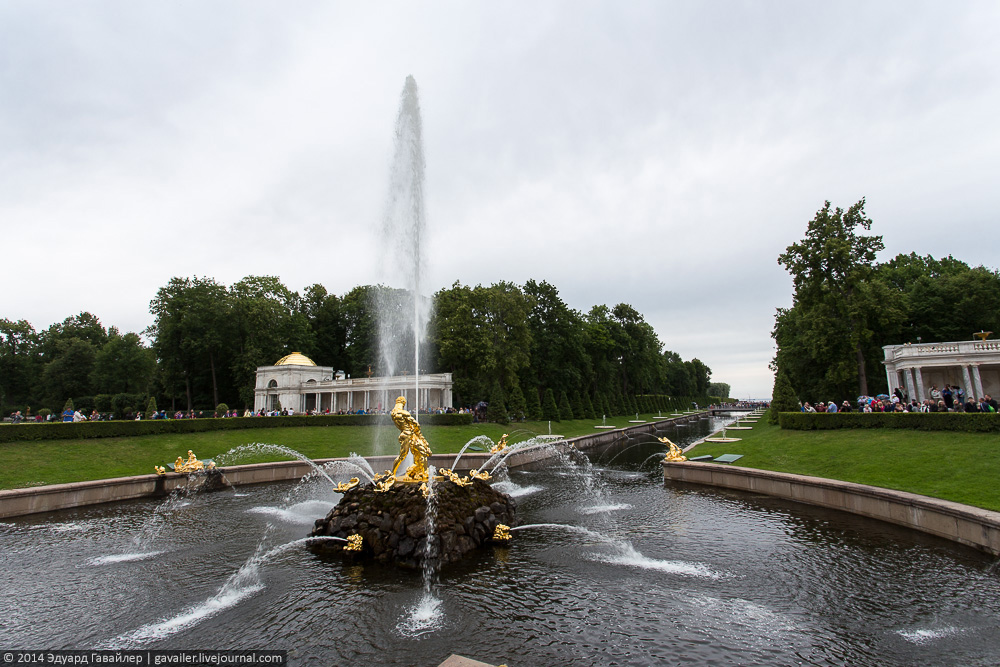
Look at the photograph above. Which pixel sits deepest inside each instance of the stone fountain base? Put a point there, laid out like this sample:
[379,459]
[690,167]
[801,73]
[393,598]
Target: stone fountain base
[393,524]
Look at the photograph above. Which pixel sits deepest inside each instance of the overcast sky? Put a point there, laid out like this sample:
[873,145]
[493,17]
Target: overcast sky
[661,154]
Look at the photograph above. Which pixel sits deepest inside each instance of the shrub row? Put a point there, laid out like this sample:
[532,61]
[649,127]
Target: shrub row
[969,422]
[118,429]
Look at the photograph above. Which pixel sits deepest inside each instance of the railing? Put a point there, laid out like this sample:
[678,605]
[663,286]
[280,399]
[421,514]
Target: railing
[965,347]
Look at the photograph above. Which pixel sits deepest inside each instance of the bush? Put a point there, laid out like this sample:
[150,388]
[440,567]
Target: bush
[151,408]
[221,409]
[968,422]
[129,428]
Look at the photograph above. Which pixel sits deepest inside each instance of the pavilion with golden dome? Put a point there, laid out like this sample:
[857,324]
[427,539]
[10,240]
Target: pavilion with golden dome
[296,383]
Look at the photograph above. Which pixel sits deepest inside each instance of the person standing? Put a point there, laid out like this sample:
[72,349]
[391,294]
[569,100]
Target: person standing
[948,397]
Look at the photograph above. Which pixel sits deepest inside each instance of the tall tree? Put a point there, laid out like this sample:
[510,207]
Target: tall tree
[830,322]
[558,357]
[20,363]
[268,325]
[123,365]
[193,334]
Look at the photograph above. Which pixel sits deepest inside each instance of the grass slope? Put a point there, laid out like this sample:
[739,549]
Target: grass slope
[962,467]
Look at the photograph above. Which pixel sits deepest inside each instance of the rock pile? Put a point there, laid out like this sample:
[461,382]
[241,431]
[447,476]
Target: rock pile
[394,524]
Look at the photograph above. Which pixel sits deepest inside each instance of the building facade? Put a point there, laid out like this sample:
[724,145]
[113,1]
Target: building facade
[296,383]
[972,365]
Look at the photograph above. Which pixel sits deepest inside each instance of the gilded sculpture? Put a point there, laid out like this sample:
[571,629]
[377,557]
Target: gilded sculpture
[411,441]
[675,453]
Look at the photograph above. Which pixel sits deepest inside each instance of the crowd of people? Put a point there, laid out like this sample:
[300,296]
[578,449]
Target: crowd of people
[950,398]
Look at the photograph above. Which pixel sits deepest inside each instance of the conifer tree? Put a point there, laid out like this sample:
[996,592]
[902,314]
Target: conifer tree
[783,398]
[151,408]
[588,407]
[578,410]
[534,410]
[565,409]
[550,410]
[69,405]
[496,411]
[516,405]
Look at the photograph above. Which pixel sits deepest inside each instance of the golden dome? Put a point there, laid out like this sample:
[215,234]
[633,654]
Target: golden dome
[295,359]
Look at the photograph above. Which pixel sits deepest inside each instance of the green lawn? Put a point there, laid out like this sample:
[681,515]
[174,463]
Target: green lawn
[963,467]
[58,461]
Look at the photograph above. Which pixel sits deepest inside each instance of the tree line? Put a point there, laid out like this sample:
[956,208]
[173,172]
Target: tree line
[846,306]
[207,340]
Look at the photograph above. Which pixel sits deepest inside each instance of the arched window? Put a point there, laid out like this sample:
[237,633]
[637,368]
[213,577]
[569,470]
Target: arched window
[273,384]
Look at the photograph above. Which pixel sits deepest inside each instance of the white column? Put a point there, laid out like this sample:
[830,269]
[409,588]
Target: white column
[892,379]
[978,380]
[908,376]
[968,382]
[920,385]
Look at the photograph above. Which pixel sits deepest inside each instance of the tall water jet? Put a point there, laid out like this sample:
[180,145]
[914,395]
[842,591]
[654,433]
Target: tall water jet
[401,261]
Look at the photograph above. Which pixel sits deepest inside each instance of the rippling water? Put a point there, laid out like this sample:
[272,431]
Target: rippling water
[634,572]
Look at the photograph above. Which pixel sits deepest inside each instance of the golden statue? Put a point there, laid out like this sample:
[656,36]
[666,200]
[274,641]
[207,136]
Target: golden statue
[192,464]
[502,533]
[354,543]
[675,453]
[410,441]
[347,486]
[500,445]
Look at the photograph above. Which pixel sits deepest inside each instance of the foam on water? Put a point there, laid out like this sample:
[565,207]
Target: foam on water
[424,617]
[303,513]
[516,491]
[632,558]
[928,635]
[600,509]
[123,558]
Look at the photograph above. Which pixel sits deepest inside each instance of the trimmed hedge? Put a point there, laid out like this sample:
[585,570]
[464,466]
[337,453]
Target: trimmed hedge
[118,429]
[968,422]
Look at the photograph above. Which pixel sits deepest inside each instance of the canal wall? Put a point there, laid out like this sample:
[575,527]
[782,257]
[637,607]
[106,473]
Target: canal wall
[33,500]
[968,525]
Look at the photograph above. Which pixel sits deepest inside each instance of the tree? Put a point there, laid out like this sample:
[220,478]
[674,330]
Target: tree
[783,398]
[151,407]
[123,365]
[830,322]
[268,324]
[720,389]
[67,373]
[194,336]
[565,409]
[517,405]
[550,409]
[20,363]
[557,355]
[327,321]
[588,407]
[497,411]
[534,409]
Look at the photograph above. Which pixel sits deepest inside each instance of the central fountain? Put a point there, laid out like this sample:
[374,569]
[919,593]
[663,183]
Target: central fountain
[416,519]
